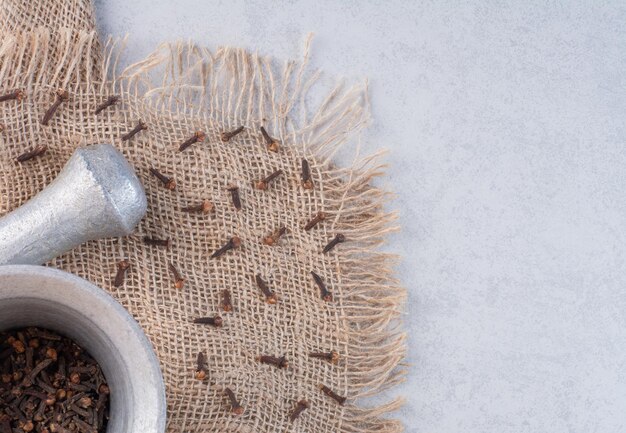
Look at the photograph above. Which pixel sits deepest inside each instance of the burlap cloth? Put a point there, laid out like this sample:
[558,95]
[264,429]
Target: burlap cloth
[181,88]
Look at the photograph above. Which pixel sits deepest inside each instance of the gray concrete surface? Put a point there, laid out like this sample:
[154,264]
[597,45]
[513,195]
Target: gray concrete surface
[506,125]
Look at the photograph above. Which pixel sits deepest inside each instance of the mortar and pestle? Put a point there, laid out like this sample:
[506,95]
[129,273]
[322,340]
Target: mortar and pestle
[96,195]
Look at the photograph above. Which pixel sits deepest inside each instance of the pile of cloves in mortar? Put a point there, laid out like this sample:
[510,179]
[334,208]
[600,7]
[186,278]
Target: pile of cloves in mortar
[48,384]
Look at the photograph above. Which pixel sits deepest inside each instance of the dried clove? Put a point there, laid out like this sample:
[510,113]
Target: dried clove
[324,293]
[141,125]
[233,242]
[279,362]
[235,407]
[300,407]
[201,370]
[275,236]
[319,217]
[272,144]
[329,392]
[227,304]
[156,242]
[263,184]
[111,100]
[270,297]
[226,136]
[122,267]
[332,356]
[205,207]
[196,137]
[14,95]
[61,96]
[214,321]
[39,396]
[37,151]
[234,194]
[339,238]
[179,281]
[167,182]
[307,182]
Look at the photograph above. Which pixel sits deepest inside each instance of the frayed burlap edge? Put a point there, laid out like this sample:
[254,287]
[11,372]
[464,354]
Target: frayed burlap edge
[236,87]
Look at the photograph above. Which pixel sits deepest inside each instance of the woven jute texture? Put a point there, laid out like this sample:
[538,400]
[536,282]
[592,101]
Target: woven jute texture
[177,90]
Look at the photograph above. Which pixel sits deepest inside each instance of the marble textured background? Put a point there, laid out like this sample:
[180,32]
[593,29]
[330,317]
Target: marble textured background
[506,126]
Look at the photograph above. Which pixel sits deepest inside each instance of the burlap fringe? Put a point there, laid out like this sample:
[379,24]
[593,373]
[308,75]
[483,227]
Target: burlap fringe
[234,87]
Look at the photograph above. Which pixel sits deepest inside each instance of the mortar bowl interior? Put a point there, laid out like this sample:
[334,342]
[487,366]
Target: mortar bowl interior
[55,300]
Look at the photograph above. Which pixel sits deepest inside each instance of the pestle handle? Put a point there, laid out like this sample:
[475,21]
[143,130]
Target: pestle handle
[96,195]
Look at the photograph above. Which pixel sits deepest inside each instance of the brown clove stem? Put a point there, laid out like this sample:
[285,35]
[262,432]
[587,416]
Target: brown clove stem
[270,297]
[307,182]
[272,144]
[111,100]
[156,242]
[216,321]
[122,267]
[37,151]
[329,392]
[234,194]
[279,362]
[179,281]
[14,95]
[332,356]
[233,242]
[275,236]
[324,293]
[339,238]
[264,183]
[226,136]
[227,304]
[167,182]
[321,216]
[61,96]
[196,137]
[201,370]
[235,407]
[130,134]
[300,407]
[205,207]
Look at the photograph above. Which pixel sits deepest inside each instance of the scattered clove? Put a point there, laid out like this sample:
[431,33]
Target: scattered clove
[111,100]
[196,137]
[216,321]
[156,242]
[235,407]
[319,217]
[233,242]
[14,95]
[270,297]
[273,360]
[307,182]
[332,356]
[324,293]
[227,304]
[300,407]
[122,267]
[339,238]
[329,392]
[272,144]
[37,151]
[201,370]
[226,136]
[263,184]
[275,236]
[205,207]
[141,125]
[167,182]
[61,96]
[179,281]
[234,194]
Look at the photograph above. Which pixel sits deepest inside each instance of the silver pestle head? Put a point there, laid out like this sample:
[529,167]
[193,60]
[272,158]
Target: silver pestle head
[96,195]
